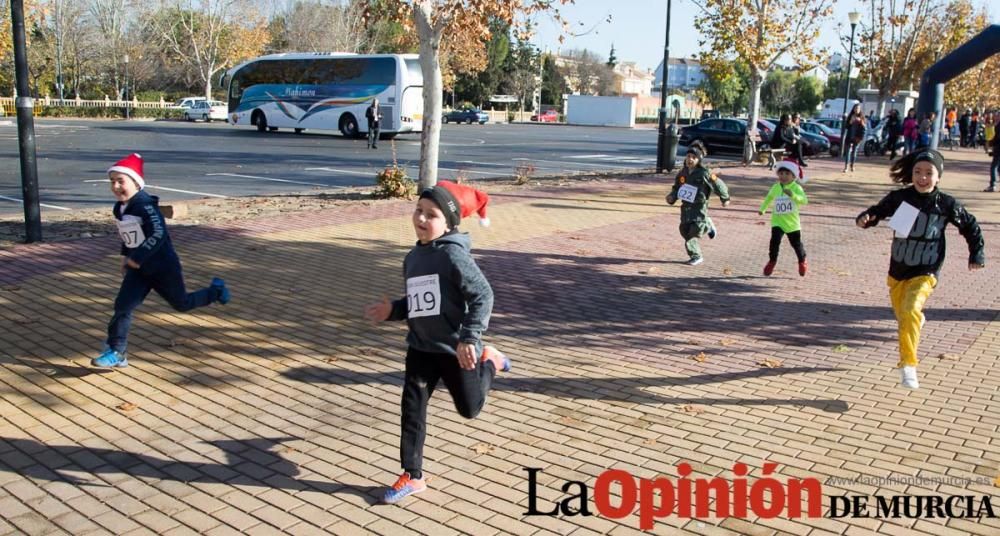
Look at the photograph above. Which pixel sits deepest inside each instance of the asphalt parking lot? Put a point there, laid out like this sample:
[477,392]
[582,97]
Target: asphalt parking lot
[198,160]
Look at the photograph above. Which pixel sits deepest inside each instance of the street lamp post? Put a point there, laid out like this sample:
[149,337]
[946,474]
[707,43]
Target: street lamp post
[125,96]
[854,17]
[661,138]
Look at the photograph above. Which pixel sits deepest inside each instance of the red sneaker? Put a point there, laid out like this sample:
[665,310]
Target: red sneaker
[769,268]
[803,268]
[500,361]
[403,487]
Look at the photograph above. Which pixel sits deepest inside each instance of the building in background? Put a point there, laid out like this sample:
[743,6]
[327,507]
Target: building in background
[684,75]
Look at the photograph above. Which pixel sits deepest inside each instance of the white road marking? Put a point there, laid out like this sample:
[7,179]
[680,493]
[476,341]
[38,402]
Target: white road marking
[16,200]
[604,166]
[467,171]
[589,156]
[331,170]
[184,191]
[264,178]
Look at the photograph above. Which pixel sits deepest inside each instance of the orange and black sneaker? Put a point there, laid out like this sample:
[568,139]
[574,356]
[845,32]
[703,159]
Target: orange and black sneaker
[404,486]
[803,268]
[499,360]
[769,267]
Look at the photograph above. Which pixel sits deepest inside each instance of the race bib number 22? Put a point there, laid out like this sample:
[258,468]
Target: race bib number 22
[423,296]
[687,193]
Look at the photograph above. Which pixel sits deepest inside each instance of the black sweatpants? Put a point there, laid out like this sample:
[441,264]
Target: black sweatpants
[794,238]
[468,389]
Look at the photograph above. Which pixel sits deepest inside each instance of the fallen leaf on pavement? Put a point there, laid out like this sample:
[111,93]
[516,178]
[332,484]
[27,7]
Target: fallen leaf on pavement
[127,406]
[769,363]
[651,441]
[331,360]
[760,223]
[582,252]
[727,342]
[949,357]
[727,271]
[701,357]
[650,270]
[842,348]
[692,409]
[482,448]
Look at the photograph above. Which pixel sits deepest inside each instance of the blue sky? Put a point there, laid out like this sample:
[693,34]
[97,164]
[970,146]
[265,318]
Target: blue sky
[637,28]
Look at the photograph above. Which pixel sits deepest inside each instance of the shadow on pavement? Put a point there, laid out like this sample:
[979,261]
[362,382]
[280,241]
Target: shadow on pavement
[243,457]
[607,389]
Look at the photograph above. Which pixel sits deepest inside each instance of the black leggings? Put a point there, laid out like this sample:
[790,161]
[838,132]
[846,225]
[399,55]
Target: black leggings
[468,389]
[794,238]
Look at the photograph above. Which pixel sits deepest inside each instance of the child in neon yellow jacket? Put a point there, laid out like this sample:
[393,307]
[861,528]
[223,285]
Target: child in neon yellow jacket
[787,196]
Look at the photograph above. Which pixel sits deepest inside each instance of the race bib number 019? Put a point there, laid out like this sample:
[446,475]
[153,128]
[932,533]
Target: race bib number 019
[130,231]
[687,193]
[423,296]
[784,205]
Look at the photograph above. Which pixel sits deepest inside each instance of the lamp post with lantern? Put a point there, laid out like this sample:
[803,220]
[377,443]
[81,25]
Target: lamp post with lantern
[854,17]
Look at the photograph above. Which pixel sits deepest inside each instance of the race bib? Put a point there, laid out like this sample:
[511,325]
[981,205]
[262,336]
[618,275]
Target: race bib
[784,205]
[687,193]
[130,231]
[423,296]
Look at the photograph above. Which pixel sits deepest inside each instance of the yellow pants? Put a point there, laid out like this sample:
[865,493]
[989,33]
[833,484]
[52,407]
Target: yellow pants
[908,297]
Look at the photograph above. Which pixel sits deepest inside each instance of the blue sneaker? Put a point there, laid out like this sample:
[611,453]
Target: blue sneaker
[109,359]
[404,486]
[218,286]
[500,361]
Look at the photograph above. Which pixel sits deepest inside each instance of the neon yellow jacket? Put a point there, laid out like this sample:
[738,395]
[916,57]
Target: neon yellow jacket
[787,199]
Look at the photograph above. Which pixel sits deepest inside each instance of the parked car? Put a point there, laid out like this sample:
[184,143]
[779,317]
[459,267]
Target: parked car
[724,135]
[467,115]
[833,136]
[834,123]
[812,143]
[187,102]
[548,116]
[710,114]
[206,111]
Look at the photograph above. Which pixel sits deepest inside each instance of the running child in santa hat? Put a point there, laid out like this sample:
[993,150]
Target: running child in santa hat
[149,261]
[447,308]
[787,196]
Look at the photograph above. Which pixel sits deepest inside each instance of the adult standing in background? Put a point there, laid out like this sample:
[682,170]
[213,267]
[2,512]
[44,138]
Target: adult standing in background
[374,115]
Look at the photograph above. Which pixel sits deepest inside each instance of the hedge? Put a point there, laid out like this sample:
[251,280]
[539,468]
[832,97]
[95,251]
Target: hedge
[107,112]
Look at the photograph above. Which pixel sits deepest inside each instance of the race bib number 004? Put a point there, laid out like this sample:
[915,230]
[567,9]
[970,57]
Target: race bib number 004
[784,205]
[423,296]
[130,231]
[687,193]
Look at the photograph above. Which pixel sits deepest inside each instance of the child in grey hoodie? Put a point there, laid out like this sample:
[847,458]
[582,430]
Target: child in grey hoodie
[447,308]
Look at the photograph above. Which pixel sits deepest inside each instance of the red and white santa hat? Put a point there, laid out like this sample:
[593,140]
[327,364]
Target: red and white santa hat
[131,165]
[793,167]
[471,200]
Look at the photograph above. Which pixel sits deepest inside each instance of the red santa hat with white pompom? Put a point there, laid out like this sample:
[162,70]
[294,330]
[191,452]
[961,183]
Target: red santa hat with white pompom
[471,200]
[131,165]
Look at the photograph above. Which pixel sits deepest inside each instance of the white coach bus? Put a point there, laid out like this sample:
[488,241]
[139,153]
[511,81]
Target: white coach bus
[326,91]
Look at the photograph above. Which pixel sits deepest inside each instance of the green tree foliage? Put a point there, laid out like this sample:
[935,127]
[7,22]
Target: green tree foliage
[521,72]
[479,87]
[553,82]
[778,92]
[612,59]
[808,95]
[726,86]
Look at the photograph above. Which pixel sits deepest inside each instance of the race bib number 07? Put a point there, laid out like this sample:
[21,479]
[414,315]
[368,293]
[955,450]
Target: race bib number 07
[784,205]
[687,193]
[423,296]
[130,231]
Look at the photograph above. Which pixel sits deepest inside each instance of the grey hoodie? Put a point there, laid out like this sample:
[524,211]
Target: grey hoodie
[448,300]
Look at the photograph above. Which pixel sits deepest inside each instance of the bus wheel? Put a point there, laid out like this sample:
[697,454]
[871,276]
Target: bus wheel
[299,130]
[260,121]
[349,126]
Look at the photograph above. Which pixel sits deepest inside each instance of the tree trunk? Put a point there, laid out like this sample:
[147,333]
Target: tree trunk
[756,83]
[430,66]
[208,87]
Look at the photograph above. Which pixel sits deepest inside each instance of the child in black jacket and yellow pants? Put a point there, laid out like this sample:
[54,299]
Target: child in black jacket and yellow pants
[149,261]
[917,255]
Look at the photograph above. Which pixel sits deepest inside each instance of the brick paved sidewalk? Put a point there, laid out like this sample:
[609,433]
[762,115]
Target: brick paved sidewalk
[279,412]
